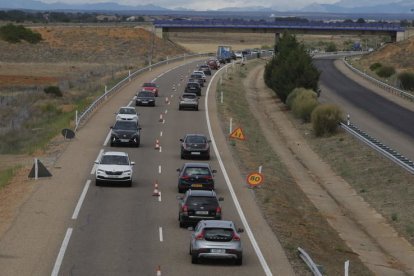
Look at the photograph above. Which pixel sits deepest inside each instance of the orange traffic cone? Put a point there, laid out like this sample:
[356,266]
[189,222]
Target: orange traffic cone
[166,100]
[157,144]
[156,192]
[158,270]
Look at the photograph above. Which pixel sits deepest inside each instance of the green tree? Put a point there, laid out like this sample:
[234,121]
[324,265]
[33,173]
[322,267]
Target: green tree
[291,67]
[331,47]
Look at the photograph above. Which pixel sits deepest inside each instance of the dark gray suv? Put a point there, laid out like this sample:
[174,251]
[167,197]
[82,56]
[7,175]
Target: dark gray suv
[126,132]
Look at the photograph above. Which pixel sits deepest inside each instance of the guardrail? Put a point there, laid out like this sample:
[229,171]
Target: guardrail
[85,114]
[309,262]
[378,146]
[383,85]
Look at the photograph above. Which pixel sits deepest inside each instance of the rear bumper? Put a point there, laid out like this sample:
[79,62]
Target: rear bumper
[185,187]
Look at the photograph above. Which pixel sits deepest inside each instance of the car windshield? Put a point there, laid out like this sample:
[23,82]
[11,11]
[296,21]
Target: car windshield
[196,76]
[196,139]
[149,84]
[114,160]
[125,125]
[224,234]
[127,111]
[145,94]
[201,201]
[196,171]
[192,84]
[189,96]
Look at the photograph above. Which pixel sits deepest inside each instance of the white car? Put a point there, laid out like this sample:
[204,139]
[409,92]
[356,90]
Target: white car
[202,75]
[238,54]
[114,167]
[127,113]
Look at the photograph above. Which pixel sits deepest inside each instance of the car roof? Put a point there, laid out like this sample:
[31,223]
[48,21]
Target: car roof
[195,164]
[201,193]
[149,92]
[195,134]
[118,153]
[218,223]
[127,107]
[149,83]
[192,94]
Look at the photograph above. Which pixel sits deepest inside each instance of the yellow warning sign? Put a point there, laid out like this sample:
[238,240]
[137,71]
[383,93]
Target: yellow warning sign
[237,134]
[255,179]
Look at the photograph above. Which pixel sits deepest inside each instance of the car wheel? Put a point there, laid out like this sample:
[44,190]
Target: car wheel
[129,184]
[208,157]
[182,224]
[182,156]
[196,108]
[239,261]
[180,108]
[194,258]
[189,252]
[180,190]
[97,182]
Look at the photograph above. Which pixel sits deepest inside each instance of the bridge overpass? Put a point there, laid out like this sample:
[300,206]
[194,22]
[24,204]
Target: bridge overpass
[164,27]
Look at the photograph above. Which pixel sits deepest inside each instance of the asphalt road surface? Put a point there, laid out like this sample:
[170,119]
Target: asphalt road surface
[127,231]
[381,118]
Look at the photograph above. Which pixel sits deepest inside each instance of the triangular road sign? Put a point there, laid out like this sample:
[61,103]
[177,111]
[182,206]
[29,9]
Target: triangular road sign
[238,134]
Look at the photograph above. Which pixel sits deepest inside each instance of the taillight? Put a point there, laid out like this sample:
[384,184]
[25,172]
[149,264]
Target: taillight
[236,237]
[200,236]
[184,209]
[208,177]
[218,210]
[186,177]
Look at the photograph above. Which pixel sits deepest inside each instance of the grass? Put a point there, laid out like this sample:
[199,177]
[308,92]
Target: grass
[286,208]
[7,174]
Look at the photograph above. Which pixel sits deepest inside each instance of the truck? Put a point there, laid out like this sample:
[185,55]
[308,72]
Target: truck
[224,54]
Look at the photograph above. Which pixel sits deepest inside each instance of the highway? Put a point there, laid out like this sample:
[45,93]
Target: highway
[381,118]
[127,231]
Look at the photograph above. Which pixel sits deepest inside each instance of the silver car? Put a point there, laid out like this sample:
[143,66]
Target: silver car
[188,100]
[216,239]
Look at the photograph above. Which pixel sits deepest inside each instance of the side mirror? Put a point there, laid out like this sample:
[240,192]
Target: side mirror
[179,197]
[220,198]
[214,171]
[110,127]
[178,170]
[208,141]
[140,128]
[181,140]
[96,162]
[240,230]
[132,163]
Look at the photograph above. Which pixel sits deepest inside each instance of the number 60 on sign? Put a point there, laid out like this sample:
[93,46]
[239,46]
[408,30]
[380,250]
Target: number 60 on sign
[255,179]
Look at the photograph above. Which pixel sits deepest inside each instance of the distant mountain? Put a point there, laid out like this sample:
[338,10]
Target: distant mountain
[244,9]
[104,6]
[404,6]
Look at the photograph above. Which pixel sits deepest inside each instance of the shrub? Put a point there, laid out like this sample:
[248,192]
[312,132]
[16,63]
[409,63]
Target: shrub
[385,71]
[292,96]
[375,66]
[14,34]
[53,90]
[407,80]
[303,105]
[331,47]
[325,119]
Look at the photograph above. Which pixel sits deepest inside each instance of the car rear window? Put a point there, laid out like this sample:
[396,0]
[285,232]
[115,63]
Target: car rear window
[126,125]
[218,234]
[196,171]
[196,139]
[148,84]
[202,201]
[189,96]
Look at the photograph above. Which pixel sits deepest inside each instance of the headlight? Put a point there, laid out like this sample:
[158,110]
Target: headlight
[127,172]
[100,171]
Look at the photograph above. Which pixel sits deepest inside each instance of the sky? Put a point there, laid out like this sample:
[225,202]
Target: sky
[281,5]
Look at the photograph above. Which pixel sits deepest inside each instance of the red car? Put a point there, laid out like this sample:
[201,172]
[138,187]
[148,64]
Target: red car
[151,86]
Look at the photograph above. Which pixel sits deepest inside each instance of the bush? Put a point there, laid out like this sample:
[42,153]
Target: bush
[385,71]
[375,66]
[54,90]
[325,119]
[14,34]
[407,80]
[331,47]
[303,104]
[292,96]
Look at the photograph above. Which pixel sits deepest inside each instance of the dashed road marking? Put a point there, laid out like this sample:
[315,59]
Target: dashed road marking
[81,199]
[63,247]
[161,236]
[159,169]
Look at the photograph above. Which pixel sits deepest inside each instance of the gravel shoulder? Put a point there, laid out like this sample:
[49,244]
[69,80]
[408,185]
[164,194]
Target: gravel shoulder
[363,229]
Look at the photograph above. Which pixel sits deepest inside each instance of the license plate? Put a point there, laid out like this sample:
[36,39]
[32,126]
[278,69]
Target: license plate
[202,212]
[216,250]
[145,102]
[197,185]
[195,153]
[124,140]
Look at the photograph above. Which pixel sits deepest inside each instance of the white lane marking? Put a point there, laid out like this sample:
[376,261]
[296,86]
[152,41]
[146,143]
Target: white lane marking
[129,104]
[159,169]
[81,199]
[107,139]
[161,134]
[59,259]
[166,111]
[161,237]
[97,158]
[159,197]
[230,186]
[160,149]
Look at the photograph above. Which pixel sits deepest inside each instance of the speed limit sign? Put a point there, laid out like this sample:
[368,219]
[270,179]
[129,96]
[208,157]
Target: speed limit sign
[255,179]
